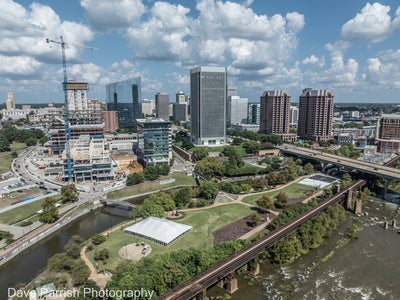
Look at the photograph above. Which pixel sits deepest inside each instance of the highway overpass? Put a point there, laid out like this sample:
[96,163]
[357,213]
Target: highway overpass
[347,163]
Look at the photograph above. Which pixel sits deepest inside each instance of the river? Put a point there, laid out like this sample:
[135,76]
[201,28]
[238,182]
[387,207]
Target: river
[28,264]
[366,268]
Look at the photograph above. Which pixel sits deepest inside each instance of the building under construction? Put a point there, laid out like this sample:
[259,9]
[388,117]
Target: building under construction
[82,122]
[91,160]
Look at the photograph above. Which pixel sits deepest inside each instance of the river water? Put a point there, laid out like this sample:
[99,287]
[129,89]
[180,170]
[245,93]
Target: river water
[28,264]
[366,268]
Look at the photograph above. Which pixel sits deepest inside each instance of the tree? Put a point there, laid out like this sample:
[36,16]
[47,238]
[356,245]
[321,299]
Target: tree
[43,140]
[187,145]
[7,236]
[292,173]
[251,146]
[211,167]
[235,160]
[14,154]
[134,213]
[4,144]
[345,151]
[97,239]
[200,152]
[150,208]
[49,212]
[255,219]
[265,203]
[103,255]
[308,168]
[281,200]
[299,162]
[135,178]
[31,141]
[209,190]
[69,193]
[163,170]
[260,183]
[182,197]
[151,173]
[237,141]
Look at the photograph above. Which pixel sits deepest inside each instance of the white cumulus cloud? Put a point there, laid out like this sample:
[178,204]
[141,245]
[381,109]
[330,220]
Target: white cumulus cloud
[103,15]
[373,24]
[314,60]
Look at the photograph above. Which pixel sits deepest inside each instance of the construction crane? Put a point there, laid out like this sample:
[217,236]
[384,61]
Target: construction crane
[65,86]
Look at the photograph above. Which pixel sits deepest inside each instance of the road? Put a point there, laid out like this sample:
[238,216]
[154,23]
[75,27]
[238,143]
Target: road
[348,163]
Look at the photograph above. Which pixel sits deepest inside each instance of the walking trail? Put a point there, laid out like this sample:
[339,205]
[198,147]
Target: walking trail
[101,279]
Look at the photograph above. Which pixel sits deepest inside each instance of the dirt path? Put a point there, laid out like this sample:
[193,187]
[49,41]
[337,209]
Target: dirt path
[101,279]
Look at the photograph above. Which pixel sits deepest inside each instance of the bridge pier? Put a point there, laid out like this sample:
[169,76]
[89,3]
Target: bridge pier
[358,207]
[201,296]
[253,267]
[349,197]
[221,283]
[385,189]
[337,188]
[231,285]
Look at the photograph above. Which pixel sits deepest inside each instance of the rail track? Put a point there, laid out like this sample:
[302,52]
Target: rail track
[195,285]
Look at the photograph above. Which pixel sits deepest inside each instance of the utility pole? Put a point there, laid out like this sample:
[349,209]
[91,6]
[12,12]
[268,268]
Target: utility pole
[65,86]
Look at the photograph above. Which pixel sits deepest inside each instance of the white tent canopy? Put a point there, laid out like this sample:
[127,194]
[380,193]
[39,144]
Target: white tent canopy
[158,230]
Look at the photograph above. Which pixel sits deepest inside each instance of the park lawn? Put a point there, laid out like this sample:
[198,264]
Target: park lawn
[6,159]
[21,212]
[204,223]
[240,150]
[295,190]
[180,179]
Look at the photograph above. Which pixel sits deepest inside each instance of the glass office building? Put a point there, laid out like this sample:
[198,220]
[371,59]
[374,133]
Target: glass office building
[125,97]
[208,105]
[154,142]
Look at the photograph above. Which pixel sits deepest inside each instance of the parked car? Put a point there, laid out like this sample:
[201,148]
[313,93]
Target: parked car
[145,249]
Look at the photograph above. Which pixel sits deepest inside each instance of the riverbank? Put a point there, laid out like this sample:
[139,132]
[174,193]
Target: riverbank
[16,271]
[347,273]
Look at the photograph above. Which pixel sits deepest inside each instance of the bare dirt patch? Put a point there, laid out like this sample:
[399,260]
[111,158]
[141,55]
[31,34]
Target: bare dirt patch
[133,252]
[236,229]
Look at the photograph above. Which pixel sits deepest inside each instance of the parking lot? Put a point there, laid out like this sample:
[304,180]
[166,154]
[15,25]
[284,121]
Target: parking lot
[17,196]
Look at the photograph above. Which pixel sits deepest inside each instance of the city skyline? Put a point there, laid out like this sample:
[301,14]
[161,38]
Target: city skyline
[350,48]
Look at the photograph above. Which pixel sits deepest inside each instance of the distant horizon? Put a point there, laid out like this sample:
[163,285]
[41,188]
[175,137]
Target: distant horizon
[250,102]
[353,51]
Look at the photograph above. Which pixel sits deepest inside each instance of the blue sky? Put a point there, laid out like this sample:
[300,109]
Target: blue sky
[350,47]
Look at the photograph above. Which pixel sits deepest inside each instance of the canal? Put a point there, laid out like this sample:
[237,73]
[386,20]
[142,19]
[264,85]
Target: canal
[24,267]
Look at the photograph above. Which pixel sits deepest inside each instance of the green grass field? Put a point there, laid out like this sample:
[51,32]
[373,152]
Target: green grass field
[149,186]
[20,213]
[295,190]
[204,223]
[6,159]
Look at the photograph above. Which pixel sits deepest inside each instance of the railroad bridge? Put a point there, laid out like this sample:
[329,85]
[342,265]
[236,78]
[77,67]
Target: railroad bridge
[223,273]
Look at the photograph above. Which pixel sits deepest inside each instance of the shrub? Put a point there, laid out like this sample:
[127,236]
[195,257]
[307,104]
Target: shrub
[97,239]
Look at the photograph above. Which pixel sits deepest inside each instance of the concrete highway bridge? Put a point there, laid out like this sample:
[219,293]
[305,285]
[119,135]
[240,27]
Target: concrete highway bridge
[385,171]
[223,273]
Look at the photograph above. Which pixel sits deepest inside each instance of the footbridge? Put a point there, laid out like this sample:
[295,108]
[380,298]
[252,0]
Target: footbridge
[223,273]
[116,202]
